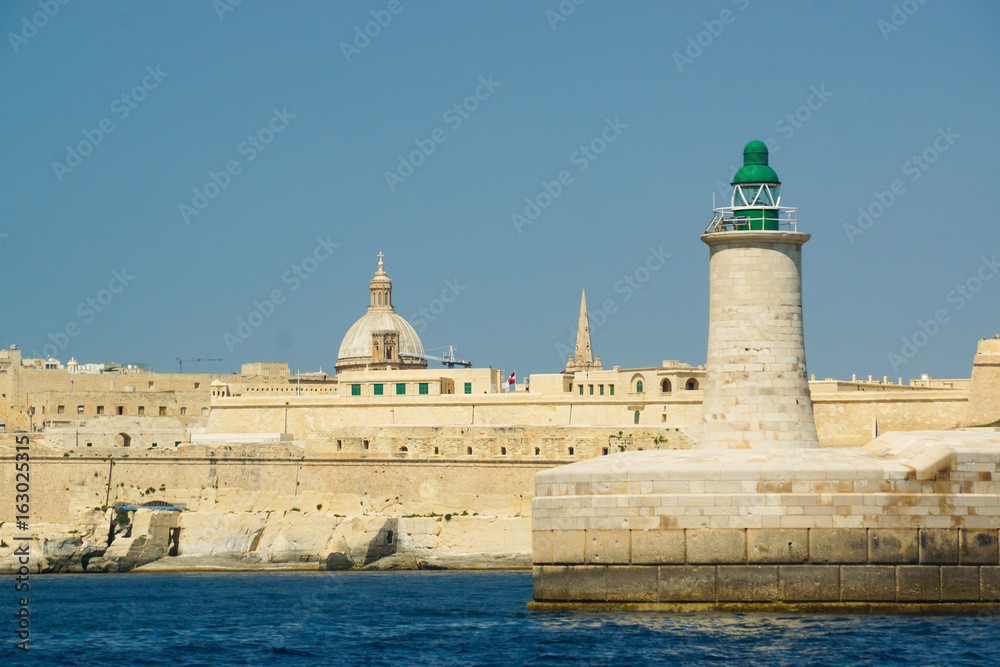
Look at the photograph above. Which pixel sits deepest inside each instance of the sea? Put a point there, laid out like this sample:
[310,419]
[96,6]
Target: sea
[437,618]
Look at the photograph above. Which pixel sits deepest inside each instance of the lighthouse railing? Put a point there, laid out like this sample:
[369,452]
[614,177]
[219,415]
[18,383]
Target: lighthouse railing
[726,219]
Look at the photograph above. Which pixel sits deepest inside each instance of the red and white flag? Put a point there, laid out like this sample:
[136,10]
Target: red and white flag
[512,379]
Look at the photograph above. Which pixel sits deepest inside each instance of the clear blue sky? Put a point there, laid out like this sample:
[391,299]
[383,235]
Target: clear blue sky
[885,96]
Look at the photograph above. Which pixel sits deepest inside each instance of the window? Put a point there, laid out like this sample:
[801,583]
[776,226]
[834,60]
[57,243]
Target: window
[571,450]
[378,389]
[142,410]
[150,384]
[581,390]
[468,450]
[604,451]
[404,449]
[184,411]
[355,390]
[364,444]
[121,409]
[436,450]
[602,390]
[537,451]
[468,387]
[503,451]
[90,444]
[340,444]
[612,388]
[692,384]
[638,386]
[163,411]
[100,409]
[665,387]
[400,389]
[61,409]
[591,390]
[197,384]
[422,389]
[636,416]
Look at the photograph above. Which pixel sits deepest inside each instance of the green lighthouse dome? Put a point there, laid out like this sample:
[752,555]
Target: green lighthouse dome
[755,168]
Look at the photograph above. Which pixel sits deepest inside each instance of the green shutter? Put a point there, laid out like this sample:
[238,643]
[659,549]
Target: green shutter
[581,390]
[422,388]
[602,390]
[400,388]
[355,390]
[591,390]
[378,390]
[612,388]
[468,387]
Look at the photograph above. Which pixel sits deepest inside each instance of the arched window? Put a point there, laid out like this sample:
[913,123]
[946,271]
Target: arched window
[638,386]
[692,384]
[665,386]
[636,416]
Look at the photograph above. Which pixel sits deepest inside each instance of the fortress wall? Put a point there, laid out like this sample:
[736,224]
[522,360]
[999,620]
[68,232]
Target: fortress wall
[499,444]
[849,419]
[280,504]
[984,393]
[842,418]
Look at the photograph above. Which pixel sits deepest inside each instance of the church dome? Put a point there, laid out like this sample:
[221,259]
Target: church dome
[357,344]
[381,339]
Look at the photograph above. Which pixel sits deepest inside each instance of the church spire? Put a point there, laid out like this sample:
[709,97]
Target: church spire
[584,352]
[583,358]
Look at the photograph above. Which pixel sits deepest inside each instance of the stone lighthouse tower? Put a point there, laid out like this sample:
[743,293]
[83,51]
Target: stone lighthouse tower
[756,387]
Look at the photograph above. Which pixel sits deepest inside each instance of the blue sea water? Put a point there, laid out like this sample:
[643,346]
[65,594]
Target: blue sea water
[438,618]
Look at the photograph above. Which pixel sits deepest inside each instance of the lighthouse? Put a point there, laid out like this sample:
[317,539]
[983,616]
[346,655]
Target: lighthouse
[756,390]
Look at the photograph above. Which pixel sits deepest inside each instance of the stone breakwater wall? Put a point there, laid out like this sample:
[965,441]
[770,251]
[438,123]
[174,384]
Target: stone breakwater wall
[297,502]
[910,518]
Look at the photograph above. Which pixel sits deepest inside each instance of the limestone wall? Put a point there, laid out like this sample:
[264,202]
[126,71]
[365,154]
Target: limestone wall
[984,391]
[854,418]
[909,518]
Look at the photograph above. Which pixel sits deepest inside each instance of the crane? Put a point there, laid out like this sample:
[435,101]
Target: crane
[450,361]
[181,361]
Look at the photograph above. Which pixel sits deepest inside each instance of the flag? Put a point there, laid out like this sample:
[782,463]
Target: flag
[512,378]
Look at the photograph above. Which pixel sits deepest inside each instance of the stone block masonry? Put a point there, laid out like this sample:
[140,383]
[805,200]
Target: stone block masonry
[756,387]
[910,519]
